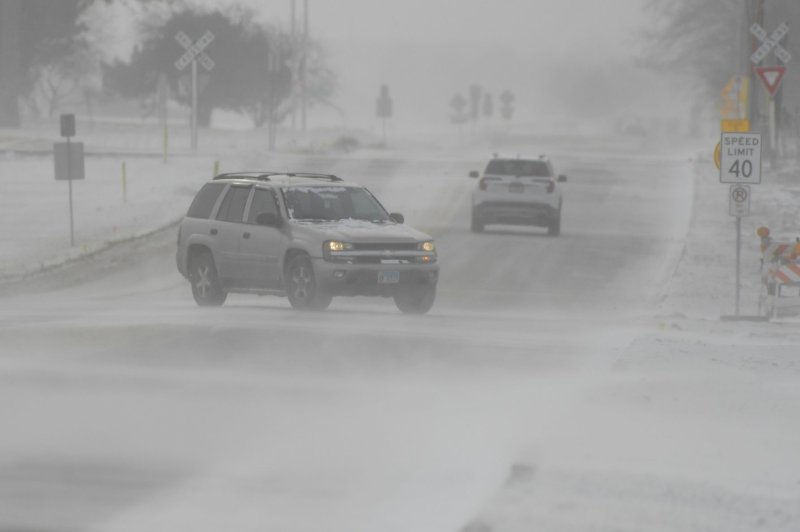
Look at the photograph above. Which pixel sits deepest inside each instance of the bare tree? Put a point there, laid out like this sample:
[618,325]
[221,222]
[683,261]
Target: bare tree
[699,40]
[63,80]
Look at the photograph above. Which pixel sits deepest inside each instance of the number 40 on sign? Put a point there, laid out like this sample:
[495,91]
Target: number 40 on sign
[740,158]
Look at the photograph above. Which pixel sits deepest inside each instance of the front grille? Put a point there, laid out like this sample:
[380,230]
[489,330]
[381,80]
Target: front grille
[386,246]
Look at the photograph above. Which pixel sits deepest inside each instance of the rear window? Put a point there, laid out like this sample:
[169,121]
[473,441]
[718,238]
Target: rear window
[518,167]
[205,200]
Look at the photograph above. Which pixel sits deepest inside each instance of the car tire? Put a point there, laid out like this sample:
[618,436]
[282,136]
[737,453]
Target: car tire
[206,288]
[416,300]
[554,228]
[477,224]
[301,286]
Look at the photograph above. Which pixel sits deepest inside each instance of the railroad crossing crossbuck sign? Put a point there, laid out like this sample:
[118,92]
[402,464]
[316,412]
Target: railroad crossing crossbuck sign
[194,54]
[771,43]
[740,160]
[739,200]
[194,51]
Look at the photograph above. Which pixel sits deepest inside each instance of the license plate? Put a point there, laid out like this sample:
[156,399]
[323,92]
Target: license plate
[516,187]
[390,277]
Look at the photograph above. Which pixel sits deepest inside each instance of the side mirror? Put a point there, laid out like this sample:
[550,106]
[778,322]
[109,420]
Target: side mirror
[474,174]
[269,219]
[562,178]
[397,217]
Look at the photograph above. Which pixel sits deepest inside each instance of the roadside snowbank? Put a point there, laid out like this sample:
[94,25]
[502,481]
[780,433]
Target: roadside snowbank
[694,427]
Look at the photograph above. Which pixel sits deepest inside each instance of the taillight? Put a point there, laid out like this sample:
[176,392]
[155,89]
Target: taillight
[551,186]
[482,184]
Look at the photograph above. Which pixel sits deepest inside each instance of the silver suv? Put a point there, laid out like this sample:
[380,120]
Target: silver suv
[306,236]
[518,191]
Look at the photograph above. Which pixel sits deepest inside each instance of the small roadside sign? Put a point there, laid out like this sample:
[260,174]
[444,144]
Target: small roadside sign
[717,154]
[384,103]
[67,125]
[735,98]
[740,158]
[739,201]
[68,158]
[739,125]
[771,76]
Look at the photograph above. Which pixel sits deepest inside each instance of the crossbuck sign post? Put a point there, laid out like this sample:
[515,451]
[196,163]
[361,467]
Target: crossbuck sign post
[771,75]
[194,54]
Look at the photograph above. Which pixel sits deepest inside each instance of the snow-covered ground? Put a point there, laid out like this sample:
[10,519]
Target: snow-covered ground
[694,426]
[130,191]
[683,423]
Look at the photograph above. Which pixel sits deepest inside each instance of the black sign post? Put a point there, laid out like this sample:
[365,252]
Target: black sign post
[507,100]
[384,108]
[69,165]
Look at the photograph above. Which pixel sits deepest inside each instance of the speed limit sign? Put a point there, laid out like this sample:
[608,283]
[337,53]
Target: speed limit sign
[740,158]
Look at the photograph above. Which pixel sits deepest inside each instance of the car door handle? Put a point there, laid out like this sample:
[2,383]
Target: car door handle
[246,235]
[213,231]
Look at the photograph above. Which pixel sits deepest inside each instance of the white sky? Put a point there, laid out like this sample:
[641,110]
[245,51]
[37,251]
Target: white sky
[558,27]
[565,59]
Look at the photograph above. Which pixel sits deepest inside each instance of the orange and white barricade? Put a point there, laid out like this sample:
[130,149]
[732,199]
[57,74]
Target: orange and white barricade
[780,277]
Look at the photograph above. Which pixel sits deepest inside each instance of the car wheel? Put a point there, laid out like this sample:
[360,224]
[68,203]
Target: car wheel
[554,229]
[206,287]
[416,300]
[302,288]
[477,223]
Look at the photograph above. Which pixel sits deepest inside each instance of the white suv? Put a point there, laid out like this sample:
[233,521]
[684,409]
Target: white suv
[518,191]
[309,237]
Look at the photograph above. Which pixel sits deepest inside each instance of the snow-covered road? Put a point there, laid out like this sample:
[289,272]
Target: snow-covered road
[126,408]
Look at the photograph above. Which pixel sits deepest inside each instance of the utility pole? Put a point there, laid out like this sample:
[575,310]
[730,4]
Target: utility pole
[755,15]
[294,67]
[304,73]
[11,33]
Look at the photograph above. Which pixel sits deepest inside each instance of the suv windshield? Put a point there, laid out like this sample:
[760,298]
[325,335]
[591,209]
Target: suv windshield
[518,167]
[333,203]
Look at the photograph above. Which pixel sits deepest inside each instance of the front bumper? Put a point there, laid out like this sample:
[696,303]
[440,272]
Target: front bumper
[340,279]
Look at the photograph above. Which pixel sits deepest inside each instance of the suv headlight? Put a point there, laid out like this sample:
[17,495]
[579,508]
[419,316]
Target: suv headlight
[335,245]
[332,248]
[429,248]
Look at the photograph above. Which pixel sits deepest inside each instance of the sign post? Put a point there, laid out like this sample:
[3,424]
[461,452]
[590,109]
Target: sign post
[771,76]
[384,108]
[739,206]
[507,100]
[68,159]
[194,54]
[739,165]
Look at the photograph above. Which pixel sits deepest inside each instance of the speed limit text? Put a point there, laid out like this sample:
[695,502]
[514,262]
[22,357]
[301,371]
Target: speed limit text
[741,146]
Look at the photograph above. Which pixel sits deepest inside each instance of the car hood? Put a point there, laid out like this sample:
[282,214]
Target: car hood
[362,231]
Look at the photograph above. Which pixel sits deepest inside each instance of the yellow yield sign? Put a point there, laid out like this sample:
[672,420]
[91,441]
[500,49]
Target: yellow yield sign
[737,125]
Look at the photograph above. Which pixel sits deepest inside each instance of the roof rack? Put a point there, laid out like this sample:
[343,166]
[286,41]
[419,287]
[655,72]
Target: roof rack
[329,177]
[265,176]
[261,176]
